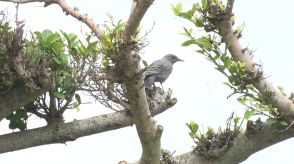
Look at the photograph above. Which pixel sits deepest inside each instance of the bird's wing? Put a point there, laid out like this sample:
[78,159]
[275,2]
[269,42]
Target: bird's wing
[154,69]
[149,80]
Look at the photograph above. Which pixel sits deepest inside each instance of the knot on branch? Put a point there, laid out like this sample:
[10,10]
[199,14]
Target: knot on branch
[215,145]
[212,145]
[157,99]
[252,128]
[166,157]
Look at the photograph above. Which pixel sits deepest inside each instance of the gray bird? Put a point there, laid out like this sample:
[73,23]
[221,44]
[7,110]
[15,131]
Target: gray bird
[159,70]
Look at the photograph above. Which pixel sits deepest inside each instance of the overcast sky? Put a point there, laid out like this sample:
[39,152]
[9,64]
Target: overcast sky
[196,84]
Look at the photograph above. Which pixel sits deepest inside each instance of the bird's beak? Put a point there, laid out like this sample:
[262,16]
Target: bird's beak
[180,60]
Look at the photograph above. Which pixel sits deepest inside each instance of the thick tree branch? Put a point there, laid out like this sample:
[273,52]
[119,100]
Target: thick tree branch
[18,97]
[138,10]
[148,131]
[63,132]
[244,145]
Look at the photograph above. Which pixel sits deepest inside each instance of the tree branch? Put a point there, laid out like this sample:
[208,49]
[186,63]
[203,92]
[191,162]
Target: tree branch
[244,145]
[18,97]
[139,8]
[148,130]
[81,17]
[63,132]
[225,28]
[74,12]
[23,1]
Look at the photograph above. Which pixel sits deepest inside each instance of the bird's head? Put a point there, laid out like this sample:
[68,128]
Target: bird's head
[172,58]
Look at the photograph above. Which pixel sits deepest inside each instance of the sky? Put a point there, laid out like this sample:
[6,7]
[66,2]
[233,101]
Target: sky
[268,30]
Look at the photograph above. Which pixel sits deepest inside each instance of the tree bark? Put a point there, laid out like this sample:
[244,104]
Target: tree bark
[18,97]
[63,132]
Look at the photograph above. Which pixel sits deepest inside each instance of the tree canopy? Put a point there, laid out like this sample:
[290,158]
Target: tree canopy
[46,73]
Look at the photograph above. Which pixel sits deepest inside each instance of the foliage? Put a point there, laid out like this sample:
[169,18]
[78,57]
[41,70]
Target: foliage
[74,64]
[18,120]
[240,80]
[68,59]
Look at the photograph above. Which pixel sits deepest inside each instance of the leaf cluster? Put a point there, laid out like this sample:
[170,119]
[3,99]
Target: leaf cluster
[213,144]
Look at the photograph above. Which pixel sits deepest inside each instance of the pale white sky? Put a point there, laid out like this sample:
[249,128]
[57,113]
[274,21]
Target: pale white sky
[198,87]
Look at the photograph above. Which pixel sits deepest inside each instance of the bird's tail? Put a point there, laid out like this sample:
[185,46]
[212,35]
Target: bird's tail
[148,81]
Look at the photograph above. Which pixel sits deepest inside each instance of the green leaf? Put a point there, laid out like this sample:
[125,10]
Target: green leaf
[281,89]
[110,17]
[242,100]
[189,42]
[248,114]
[198,22]
[236,120]
[119,27]
[78,98]
[145,63]
[71,39]
[58,47]
[56,59]
[51,38]
[78,109]
[220,68]
[45,34]
[204,4]
[272,121]
[186,15]
[283,123]
[177,9]
[227,84]
[68,82]
[200,51]
[193,126]
[63,59]
[17,124]
[204,43]
[209,131]
[18,119]
[59,94]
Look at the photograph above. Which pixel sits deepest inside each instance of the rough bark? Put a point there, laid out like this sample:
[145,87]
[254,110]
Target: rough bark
[18,97]
[30,83]
[148,131]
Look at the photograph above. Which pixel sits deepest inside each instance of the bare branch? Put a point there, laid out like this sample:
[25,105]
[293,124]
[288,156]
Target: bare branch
[68,10]
[82,17]
[229,7]
[139,8]
[23,1]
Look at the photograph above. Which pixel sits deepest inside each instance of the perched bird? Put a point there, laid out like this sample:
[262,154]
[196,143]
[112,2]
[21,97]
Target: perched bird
[159,70]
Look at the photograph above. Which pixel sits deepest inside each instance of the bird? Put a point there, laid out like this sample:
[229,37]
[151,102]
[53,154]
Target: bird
[160,70]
